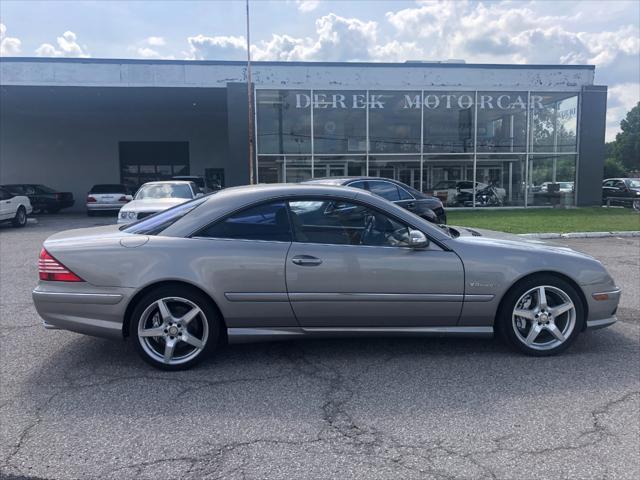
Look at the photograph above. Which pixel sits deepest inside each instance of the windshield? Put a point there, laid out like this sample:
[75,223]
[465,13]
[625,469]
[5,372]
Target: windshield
[155,224]
[633,183]
[108,189]
[164,190]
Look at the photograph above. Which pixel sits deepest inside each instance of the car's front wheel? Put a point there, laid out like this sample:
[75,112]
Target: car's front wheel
[20,220]
[174,328]
[541,316]
[636,205]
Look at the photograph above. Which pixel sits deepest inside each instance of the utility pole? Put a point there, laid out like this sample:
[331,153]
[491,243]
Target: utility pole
[250,100]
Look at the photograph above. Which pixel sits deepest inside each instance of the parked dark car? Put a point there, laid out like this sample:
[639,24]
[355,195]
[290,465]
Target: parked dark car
[622,191]
[43,198]
[428,207]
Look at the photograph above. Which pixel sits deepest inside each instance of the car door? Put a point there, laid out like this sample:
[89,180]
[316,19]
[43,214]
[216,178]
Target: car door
[244,261]
[342,272]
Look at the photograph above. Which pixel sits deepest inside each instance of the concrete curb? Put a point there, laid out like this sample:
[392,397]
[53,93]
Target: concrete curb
[548,236]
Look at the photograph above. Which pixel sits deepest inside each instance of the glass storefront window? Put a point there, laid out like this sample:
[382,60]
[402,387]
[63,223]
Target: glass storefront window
[554,122]
[505,174]
[502,121]
[339,166]
[285,168]
[445,176]
[284,121]
[405,169]
[339,121]
[448,122]
[551,180]
[394,122]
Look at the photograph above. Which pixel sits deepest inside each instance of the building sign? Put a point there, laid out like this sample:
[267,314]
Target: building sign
[431,101]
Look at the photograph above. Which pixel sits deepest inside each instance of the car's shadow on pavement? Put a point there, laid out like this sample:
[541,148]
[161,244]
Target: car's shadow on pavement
[444,373]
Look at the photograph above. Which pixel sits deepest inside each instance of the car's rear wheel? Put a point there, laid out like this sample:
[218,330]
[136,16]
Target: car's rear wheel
[541,316]
[20,220]
[174,328]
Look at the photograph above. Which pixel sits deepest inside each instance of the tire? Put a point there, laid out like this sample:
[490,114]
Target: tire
[20,220]
[636,205]
[541,331]
[203,330]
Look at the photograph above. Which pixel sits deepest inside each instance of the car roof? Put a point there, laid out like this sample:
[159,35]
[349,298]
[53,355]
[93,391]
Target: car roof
[168,182]
[343,180]
[236,198]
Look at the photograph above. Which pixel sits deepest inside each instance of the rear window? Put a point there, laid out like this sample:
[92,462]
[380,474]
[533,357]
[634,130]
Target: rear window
[113,188]
[157,223]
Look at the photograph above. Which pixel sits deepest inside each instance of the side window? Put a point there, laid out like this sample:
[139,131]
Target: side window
[620,185]
[609,183]
[338,222]
[404,195]
[361,184]
[4,194]
[267,222]
[386,190]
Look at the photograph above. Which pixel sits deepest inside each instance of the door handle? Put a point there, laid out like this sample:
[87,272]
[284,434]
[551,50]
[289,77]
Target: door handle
[306,260]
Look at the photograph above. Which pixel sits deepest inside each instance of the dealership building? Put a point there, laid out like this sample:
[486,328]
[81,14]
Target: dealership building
[535,132]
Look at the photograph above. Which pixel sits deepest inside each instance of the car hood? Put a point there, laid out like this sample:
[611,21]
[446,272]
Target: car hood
[480,236]
[152,204]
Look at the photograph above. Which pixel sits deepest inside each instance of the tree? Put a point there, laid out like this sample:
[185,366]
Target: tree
[626,148]
[613,168]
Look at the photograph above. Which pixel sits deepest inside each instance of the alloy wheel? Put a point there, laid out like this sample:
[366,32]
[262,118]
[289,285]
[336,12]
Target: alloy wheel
[544,317]
[173,330]
[636,205]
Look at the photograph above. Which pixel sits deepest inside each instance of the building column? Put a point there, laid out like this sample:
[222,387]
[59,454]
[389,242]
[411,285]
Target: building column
[237,166]
[590,167]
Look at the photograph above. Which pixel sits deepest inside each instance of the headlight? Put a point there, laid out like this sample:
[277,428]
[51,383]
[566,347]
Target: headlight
[128,215]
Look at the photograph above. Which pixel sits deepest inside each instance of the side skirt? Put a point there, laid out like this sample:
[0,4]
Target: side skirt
[247,335]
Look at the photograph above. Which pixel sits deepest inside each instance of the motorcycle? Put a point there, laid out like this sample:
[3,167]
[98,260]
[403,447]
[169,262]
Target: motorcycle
[485,197]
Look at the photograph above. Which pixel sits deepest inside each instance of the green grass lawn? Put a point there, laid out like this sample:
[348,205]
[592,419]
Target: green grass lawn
[544,220]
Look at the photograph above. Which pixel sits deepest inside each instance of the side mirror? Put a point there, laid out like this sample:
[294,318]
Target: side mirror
[417,239]
[198,195]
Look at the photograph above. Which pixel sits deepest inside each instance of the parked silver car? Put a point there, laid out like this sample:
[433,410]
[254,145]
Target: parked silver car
[107,197]
[290,261]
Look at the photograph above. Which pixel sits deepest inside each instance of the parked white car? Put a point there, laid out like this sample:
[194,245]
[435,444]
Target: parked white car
[107,197]
[154,197]
[447,190]
[14,208]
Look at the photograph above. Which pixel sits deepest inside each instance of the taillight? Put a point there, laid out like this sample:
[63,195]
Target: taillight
[122,199]
[52,270]
[91,199]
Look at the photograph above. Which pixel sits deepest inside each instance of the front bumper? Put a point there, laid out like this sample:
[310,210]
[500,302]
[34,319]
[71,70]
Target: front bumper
[602,305]
[85,309]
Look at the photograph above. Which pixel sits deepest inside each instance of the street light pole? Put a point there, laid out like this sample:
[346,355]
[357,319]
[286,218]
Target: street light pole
[250,100]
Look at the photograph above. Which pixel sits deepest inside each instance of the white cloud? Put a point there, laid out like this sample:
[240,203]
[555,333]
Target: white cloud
[307,5]
[8,45]
[68,46]
[156,41]
[146,52]
[230,47]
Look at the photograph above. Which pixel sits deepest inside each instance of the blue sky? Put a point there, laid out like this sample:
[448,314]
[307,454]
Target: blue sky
[604,33]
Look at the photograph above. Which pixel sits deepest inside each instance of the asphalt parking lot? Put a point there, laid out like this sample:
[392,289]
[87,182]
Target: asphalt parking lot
[73,406]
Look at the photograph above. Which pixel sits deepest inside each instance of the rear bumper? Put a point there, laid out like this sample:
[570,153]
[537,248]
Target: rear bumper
[104,206]
[92,311]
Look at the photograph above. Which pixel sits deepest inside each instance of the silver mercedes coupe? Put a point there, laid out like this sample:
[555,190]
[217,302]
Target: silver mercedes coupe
[273,262]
